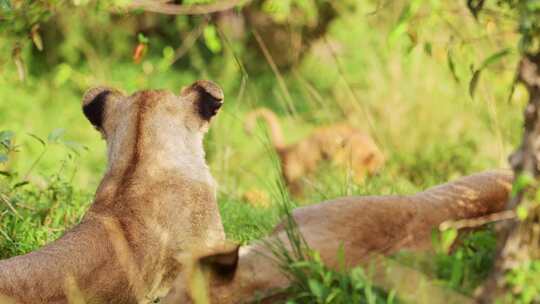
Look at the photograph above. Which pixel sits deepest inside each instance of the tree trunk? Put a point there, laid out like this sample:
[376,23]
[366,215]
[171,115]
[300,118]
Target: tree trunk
[519,241]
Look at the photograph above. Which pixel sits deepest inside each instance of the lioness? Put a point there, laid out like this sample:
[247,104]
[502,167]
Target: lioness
[364,229]
[156,202]
[339,143]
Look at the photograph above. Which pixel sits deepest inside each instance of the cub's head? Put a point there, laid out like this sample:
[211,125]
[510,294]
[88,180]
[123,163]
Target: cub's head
[153,123]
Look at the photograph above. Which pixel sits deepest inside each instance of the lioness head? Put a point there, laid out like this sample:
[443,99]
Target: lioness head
[155,125]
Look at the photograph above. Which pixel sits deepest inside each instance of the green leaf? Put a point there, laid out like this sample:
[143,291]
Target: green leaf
[428,49]
[211,39]
[494,58]
[521,182]
[167,60]
[391,297]
[473,83]
[475,6]
[451,65]
[20,184]
[490,60]
[63,73]
[316,288]
[38,139]
[333,294]
[6,136]
[457,270]
[142,38]
[403,21]
[399,29]
[522,213]
[447,238]
[279,10]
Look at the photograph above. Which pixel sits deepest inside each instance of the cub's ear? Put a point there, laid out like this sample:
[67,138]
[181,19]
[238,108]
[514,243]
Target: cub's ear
[208,97]
[93,105]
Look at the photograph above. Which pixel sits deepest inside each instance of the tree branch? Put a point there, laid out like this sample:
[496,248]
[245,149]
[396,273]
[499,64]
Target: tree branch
[164,7]
[516,239]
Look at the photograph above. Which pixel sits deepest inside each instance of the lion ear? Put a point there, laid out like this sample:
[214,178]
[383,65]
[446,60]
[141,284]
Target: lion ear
[208,97]
[94,103]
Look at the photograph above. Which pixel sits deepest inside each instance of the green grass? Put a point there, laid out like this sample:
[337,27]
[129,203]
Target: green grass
[244,223]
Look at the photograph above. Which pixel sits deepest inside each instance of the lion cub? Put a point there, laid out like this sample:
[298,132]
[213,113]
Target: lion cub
[339,143]
[155,204]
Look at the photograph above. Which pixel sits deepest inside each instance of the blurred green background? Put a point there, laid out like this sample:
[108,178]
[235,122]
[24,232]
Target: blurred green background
[405,83]
[429,82]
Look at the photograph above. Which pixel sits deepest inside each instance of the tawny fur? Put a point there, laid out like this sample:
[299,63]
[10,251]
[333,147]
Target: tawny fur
[366,227]
[155,202]
[340,144]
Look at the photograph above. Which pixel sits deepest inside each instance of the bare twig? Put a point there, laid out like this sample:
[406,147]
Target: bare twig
[163,7]
[189,41]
